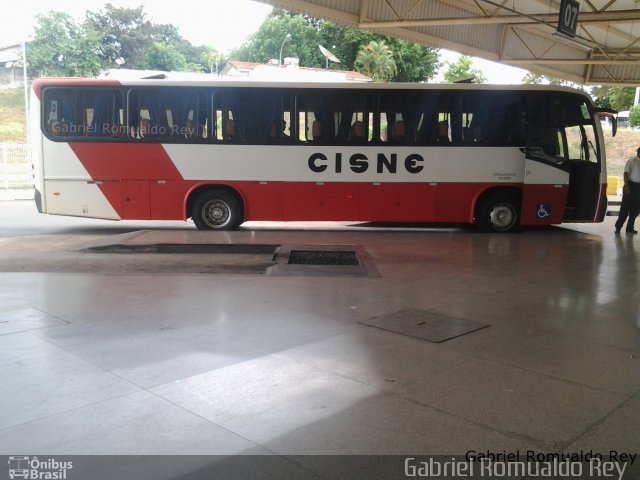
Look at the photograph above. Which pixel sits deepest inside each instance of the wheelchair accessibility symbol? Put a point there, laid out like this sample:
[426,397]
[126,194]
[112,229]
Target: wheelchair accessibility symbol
[543,210]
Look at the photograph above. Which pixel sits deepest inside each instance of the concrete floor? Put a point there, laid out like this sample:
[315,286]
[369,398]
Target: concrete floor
[160,354]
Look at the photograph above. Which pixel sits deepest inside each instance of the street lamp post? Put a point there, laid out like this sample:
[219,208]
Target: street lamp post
[288,37]
[26,92]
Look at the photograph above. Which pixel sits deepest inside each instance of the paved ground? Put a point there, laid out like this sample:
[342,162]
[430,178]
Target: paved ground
[219,353]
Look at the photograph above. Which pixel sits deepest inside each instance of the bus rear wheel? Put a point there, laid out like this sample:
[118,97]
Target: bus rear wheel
[216,210]
[499,213]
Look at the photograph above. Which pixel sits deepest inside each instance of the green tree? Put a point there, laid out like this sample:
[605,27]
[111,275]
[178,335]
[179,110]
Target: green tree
[618,98]
[537,79]
[601,96]
[161,56]
[213,59]
[344,42]
[634,116]
[169,35]
[621,98]
[463,70]
[61,47]
[375,59]
[414,62]
[267,42]
[127,34]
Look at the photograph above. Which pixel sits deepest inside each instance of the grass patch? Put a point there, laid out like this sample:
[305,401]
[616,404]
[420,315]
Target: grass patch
[620,148]
[12,126]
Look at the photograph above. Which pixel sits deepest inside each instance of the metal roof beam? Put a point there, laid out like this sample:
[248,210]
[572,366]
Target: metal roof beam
[584,18]
[570,61]
[610,37]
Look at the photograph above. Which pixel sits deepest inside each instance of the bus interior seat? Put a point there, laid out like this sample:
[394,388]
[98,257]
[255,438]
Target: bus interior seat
[231,129]
[358,131]
[399,133]
[316,130]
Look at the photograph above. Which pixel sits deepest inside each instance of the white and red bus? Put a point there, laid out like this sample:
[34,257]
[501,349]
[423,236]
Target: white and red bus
[226,152]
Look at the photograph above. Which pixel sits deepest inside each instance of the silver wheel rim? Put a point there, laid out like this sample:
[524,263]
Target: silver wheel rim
[216,213]
[502,216]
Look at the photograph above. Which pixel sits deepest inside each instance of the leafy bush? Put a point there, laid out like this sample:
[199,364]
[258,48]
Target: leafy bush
[634,117]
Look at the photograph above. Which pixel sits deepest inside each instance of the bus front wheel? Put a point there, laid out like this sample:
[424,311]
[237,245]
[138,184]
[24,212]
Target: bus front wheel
[216,210]
[498,213]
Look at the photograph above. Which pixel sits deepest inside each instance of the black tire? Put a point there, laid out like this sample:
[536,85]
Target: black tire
[499,213]
[216,210]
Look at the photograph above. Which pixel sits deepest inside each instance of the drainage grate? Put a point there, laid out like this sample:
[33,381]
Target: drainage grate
[201,248]
[322,257]
[323,260]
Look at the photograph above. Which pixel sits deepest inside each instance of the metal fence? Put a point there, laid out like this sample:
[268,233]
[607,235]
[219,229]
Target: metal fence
[15,166]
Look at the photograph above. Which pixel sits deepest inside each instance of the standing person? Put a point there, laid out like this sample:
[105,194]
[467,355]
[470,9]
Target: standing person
[630,206]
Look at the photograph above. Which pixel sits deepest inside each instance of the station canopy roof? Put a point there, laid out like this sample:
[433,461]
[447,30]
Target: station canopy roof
[520,33]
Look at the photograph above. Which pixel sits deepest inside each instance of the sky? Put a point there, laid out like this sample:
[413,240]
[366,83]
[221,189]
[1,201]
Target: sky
[223,24]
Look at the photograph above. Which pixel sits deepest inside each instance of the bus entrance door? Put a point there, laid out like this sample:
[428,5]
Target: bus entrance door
[546,179]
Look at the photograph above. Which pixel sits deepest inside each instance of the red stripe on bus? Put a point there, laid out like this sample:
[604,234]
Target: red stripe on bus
[126,161]
[124,171]
[306,201]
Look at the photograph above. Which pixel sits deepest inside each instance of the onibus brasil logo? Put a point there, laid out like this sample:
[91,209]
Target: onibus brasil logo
[36,469]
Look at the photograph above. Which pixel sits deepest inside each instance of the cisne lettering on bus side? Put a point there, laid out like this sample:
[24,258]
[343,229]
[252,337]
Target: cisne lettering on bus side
[360,163]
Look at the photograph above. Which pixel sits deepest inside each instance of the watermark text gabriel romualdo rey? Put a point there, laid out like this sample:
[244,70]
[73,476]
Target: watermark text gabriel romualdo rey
[529,464]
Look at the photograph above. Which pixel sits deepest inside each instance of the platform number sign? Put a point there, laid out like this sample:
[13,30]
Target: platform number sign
[568,19]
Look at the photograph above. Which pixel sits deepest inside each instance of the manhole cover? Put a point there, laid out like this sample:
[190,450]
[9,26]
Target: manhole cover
[426,325]
[322,257]
[27,319]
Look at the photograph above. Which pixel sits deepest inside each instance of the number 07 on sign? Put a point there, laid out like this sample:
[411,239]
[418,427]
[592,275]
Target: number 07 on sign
[568,17]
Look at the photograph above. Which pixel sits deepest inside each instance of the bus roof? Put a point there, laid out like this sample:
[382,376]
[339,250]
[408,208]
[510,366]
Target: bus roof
[40,83]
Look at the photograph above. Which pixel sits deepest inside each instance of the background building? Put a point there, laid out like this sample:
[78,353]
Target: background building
[11,74]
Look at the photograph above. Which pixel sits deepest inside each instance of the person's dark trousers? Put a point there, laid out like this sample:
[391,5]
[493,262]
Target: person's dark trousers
[630,207]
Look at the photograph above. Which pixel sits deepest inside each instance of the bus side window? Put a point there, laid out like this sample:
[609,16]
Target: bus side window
[358,132]
[144,126]
[167,113]
[60,113]
[475,110]
[196,126]
[443,135]
[231,110]
[225,129]
[84,113]
[101,113]
[546,144]
[119,129]
[312,116]
[400,118]
[220,120]
[433,122]
[280,130]
[399,132]
[316,129]
[55,128]
[229,127]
